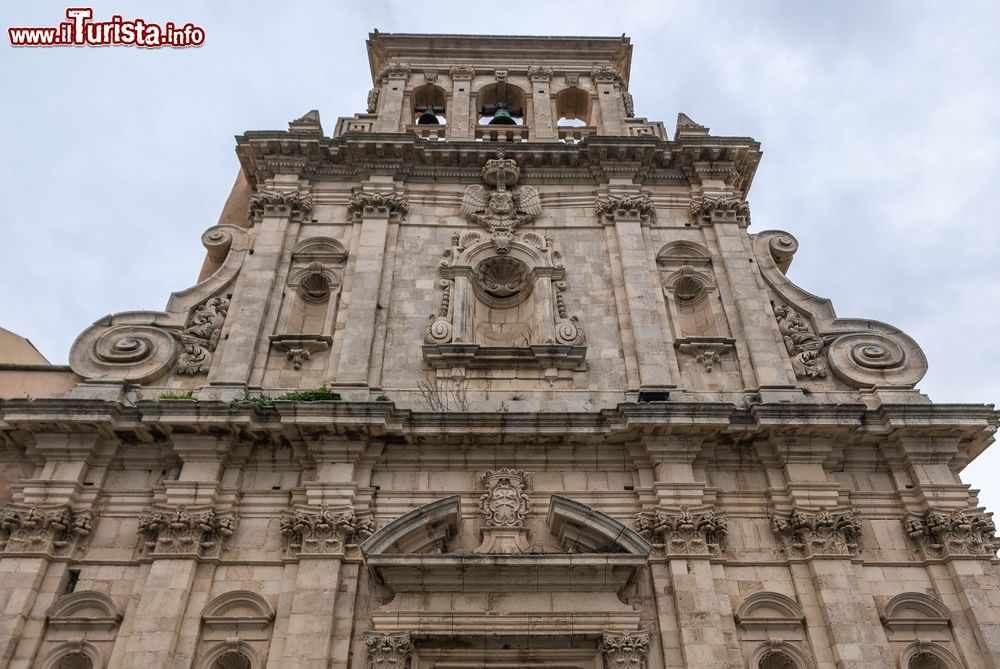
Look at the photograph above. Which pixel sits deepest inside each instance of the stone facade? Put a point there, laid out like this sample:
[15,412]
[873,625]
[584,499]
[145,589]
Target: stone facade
[479,394]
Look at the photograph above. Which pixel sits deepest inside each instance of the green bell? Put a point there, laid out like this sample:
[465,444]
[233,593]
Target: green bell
[428,117]
[502,117]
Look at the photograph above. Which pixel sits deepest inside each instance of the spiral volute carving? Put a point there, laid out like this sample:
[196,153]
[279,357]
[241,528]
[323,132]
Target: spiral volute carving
[438,330]
[865,359]
[570,332]
[135,353]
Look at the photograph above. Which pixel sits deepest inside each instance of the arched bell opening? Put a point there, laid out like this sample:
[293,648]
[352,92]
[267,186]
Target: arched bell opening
[501,103]
[430,105]
[573,108]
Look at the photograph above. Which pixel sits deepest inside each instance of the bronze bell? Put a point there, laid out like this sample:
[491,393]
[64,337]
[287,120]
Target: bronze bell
[502,117]
[428,117]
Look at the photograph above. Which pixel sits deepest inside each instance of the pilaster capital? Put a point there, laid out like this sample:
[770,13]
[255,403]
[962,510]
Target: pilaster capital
[711,210]
[280,205]
[629,206]
[605,74]
[684,532]
[388,651]
[625,649]
[944,533]
[376,205]
[539,73]
[462,72]
[804,534]
[393,71]
[322,531]
[33,530]
[177,531]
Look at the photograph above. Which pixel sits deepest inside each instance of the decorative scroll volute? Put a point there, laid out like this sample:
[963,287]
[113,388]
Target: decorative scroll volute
[803,534]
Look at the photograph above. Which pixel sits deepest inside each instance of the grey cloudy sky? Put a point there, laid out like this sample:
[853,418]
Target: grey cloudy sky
[879,123]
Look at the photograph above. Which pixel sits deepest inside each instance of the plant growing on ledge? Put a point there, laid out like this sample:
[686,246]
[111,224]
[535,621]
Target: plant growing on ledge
[382,398]
[189,395]
[318,395]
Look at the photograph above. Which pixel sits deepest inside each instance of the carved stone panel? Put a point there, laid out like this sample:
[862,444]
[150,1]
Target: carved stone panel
[200,339]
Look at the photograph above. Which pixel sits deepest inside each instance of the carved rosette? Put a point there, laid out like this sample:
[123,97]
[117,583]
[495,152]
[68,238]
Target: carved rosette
[505,502]
[711,210]
[940,534]
[322,531]
[625,650]
[607,74]
[32,530]
[539,73]
[372,104]
[638,205]
[200,339]
[685,533]
[176,531]
[807,349]
[569,330]
[462,72]
[394,71]
[376,204]
[272,203]
[804,534]
[388,651]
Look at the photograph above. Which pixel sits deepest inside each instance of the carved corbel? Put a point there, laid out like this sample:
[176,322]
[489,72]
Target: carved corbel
[310,531]
[804,534]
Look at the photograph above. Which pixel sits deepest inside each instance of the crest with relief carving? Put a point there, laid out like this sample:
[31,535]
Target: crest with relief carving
[505,503]
[501,211]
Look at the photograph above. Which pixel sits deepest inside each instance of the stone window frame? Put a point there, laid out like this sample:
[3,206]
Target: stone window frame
[69,648]
[910,651]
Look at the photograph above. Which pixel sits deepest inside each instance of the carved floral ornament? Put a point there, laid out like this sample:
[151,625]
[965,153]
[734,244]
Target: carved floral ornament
[625,650]
[200,339]
[322,531]
[824,532]
[274,203]
[172,531]
[684,532]
[940,534]
[388,651]
[32,529]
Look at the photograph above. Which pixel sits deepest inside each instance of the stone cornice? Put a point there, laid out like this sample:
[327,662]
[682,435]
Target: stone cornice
[263,154]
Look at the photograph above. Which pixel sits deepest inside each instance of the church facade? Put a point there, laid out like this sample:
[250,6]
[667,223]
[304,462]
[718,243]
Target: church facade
[496,374]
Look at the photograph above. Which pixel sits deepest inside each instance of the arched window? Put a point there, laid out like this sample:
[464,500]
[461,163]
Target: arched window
[926,661]
[776,659]
[573,108]
[74,661]
[233,660]
[501,104]
[429,105]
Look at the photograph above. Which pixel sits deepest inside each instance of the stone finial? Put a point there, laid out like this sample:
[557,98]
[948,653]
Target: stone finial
[32,530]
[311,531]
[625,650]
[824,532]
[684,532]
[388,651]
[945,533]
[688,128]
[272,203]
[175,531]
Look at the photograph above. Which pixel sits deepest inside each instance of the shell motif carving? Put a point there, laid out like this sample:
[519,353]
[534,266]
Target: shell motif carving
[502,277]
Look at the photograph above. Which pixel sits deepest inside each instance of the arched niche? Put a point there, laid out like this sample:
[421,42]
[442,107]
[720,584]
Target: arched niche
[429,96]
[573,107]
[238,614]
[769,615]
[501,93]
[914,615]
[927,655]
[74,655]
[778,655]
[691,291]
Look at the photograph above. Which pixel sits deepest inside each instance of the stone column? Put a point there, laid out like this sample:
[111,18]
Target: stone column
[628,212]
[814,529]
[177,535]
[460,117]
[374,209]
[543,126]
[761,343]
[957,544]
[43,529]
[609,82]
[271,212]
[392,80]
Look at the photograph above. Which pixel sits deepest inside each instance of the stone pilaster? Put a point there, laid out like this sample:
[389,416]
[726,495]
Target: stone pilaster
[608,83]
[627,212]
[41,531]
[727,217]
[374,210]
[272,212]
[543,126]
[392,84]
[459,116]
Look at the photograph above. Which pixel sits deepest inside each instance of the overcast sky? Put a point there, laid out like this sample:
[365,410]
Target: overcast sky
[879,123]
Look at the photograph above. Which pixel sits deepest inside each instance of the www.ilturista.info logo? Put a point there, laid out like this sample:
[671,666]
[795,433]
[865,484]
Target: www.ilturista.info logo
[80,30]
